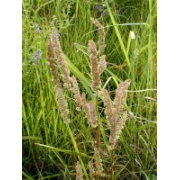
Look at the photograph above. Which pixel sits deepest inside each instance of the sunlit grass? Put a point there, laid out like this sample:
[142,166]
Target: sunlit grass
[48,151]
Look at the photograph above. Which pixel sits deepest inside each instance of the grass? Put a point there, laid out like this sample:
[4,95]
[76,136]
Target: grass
[50,148]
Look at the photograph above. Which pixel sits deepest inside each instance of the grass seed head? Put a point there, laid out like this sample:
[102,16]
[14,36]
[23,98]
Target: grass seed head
[98,162]
[79,173]
[62,103]
[76,92]
[101,35]
[91,170]
[94,66]
[61,59]
[90,111]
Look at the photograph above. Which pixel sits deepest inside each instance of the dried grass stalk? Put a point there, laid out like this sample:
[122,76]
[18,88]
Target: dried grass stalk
[61,59]
[76,92]
[102,64]
[101,35]
[121,123]
[116,129]
[98,162]
[94,66]
[91,170]
[53,69]
[112,110]
[121,95]
[91,113]
[79,173]
[108,104]
[62,103]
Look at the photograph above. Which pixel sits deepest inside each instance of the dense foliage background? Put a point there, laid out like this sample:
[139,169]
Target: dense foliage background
[47,148]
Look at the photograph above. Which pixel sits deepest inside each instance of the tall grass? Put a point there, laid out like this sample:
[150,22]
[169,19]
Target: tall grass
[48,149]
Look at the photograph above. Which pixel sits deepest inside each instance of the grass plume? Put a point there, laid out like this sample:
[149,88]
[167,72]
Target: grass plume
[62,103]
[61,59]
[135,156]
[113,109]
[79,173]
[101,35]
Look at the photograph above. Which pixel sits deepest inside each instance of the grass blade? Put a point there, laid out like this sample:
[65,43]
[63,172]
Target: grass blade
[118,34]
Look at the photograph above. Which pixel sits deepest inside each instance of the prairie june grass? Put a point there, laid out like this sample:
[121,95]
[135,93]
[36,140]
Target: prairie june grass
[97,67]
[89,114]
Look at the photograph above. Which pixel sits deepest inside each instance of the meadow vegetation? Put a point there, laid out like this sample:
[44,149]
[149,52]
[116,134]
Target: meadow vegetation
[89,89]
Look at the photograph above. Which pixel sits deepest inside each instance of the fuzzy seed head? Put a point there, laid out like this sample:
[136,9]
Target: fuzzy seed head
[112,110]
[76,92]
[62,103]
[91,170]
[120,96]
[61,59]
[101,35]
[94,66]
[79,173]
[98,162]
[90,112]
[102,64]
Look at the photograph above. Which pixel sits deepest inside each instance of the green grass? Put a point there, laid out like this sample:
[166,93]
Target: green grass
[50,148]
